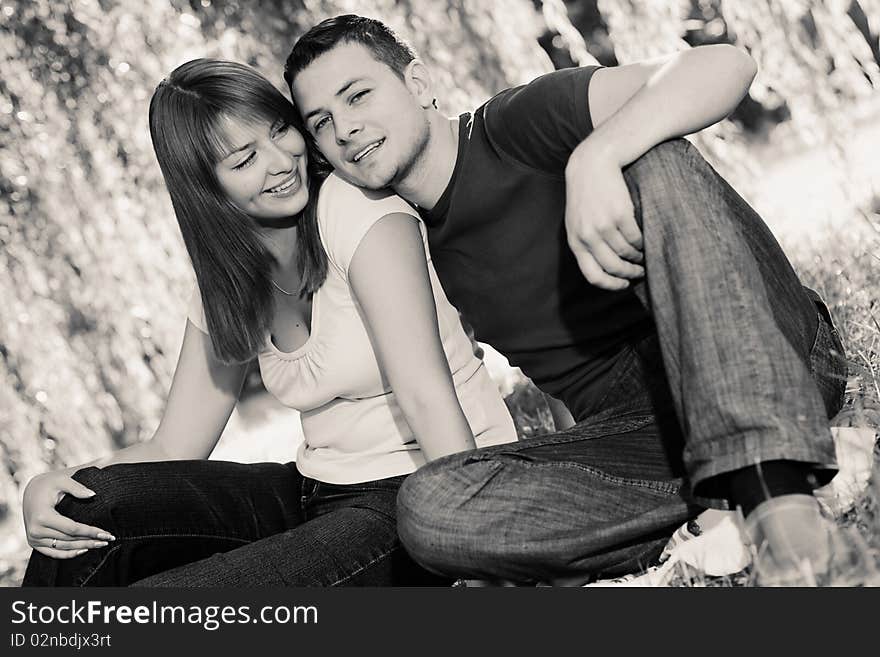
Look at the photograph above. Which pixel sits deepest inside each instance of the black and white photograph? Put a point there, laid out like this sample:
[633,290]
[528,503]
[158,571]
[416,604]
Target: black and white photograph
[439,293]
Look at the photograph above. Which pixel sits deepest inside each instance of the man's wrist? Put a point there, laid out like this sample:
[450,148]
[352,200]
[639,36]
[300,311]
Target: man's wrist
[592,150]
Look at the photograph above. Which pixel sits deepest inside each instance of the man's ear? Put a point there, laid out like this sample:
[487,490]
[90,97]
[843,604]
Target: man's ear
[418,80]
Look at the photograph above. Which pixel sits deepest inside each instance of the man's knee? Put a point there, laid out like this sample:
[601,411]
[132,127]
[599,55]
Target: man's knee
[445,518]
[673,181]
[433,517]
[667,167]
[417,515]
[672,155]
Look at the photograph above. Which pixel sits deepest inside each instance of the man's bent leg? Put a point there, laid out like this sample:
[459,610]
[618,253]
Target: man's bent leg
[599,499]
[735,325]
[741,343]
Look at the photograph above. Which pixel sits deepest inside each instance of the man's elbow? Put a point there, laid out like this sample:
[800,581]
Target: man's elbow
[740,64]
[748,65]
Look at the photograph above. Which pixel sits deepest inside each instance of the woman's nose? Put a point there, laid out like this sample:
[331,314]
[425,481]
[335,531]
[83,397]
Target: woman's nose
[282,159]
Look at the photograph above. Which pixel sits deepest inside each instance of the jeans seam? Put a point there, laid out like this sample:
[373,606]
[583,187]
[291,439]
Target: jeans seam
[815,345]
[86,579]
[659,486]
[365,566]
[144,536]
[571,435]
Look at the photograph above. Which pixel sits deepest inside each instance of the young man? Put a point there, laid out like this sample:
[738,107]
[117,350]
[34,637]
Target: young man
[625,277]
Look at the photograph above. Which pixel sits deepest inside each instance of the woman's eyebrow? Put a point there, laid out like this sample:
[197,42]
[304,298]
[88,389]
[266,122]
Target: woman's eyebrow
[236,149]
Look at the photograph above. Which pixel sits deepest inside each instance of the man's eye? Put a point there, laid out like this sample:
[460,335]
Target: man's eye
[359,96]
[320,123]
[245,162]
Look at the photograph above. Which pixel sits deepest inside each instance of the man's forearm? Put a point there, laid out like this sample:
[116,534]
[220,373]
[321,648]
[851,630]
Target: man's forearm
[693,89]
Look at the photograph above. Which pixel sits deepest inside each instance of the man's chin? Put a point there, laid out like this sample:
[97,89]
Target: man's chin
[367,182]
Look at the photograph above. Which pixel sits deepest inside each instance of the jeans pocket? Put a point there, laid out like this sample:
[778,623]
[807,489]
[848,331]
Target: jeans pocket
[625,375]
[379,495]
[308,491]
[828,363]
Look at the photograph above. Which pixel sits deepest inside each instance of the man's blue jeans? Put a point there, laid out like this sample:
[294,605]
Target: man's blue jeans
[744,366]
[216,523]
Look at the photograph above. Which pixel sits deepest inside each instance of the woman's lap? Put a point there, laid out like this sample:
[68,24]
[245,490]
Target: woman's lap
[347,546]
[166,515]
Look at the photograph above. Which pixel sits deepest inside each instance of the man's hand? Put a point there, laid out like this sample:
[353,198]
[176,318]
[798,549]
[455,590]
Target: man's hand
[633,108]
[600,221]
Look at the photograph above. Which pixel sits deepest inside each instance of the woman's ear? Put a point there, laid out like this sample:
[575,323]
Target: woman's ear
[418,80]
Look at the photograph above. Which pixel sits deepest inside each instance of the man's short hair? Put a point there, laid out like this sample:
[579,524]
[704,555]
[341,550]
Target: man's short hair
[387,46]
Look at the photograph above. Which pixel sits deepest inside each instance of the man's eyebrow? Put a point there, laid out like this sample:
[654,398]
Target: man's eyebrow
[345,87]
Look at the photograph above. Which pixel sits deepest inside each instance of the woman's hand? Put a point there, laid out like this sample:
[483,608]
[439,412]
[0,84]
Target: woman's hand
[51,533]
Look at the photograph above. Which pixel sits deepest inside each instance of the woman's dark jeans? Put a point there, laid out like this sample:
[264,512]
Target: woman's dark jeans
[216,523]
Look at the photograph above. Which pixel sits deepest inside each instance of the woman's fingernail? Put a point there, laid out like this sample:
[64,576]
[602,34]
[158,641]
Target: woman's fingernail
[100,544]
[106,537]
[82,551]
[91,493]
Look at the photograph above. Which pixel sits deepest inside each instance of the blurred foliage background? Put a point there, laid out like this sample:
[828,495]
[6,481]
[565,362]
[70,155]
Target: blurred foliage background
[92,301]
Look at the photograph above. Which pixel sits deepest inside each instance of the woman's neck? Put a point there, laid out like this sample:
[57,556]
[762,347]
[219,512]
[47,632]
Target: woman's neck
[281,243]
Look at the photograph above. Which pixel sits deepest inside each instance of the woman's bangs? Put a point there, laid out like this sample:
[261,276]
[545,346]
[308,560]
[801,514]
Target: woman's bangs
[216,138]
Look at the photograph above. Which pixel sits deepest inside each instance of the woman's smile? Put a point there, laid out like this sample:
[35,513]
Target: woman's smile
[287,187]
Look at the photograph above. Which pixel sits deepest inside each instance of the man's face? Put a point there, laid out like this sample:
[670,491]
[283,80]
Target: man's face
[369,124]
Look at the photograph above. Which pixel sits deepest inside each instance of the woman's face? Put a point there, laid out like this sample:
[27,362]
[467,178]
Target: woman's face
[265,173]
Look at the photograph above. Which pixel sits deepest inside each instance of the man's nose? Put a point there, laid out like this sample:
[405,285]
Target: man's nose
[346,128]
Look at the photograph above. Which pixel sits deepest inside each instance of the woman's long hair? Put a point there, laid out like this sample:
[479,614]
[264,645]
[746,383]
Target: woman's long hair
[232,265]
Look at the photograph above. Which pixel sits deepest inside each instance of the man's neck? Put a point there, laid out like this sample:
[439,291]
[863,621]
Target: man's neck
[428,179]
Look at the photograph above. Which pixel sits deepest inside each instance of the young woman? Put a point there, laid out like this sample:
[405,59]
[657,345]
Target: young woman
[338,301]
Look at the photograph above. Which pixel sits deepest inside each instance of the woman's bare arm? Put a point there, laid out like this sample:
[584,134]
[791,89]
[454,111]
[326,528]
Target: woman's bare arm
[389,277]
[202,395]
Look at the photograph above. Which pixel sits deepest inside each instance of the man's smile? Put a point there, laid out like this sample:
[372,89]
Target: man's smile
[367,150]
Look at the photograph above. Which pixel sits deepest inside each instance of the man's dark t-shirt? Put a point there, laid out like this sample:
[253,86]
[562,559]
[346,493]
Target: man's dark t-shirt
[498,243]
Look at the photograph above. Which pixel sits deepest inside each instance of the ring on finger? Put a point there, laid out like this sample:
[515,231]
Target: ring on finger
[54,543]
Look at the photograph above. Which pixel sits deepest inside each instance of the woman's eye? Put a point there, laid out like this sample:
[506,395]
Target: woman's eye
[359,96]
[282,129]
[245,162]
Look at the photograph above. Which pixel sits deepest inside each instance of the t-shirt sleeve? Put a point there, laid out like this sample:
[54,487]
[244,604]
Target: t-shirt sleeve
[540,123]
[345,215]
[195,311]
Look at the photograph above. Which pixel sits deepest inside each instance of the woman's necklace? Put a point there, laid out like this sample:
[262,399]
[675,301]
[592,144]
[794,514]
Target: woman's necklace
[286,293]
[281,289]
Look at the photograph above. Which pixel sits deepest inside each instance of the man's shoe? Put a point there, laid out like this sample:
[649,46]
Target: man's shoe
[792,541]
